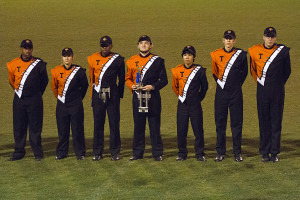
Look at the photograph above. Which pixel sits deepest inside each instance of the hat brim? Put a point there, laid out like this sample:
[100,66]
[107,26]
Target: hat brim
[188,51]
[270,34]
[228,36]
[28,46]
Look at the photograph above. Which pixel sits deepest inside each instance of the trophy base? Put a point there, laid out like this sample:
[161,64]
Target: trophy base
[143,109]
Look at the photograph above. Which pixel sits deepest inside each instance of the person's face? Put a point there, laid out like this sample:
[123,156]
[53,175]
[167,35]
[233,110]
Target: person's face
[26,53]
[67,60]
[144,46]
[269,41]
[105,49]
[228,43]
[188,59]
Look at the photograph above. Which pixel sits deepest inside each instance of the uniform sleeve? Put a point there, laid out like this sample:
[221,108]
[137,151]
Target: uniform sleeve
[83,83]
[244,68]
[287,68]
[214,66]
[54,83]
[121,78]
[91,74]
[175,83]
[11,76]
[204,85]
[253,66]
[43,78]
[163,79]
[129,76]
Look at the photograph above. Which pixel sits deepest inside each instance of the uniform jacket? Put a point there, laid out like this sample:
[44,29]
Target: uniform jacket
[198,86]
[37,80]
[77,87]
[278,71]
[156,75]
[116,70]
[238,72]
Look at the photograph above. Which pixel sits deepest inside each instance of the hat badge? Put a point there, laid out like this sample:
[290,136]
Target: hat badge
[104,39]
[270,29]
[66,49]
[27,41]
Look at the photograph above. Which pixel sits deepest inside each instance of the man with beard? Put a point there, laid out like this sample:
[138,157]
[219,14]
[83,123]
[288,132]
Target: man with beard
[148,70]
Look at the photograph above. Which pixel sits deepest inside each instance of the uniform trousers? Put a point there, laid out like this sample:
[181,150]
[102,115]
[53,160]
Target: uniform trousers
[154,121]
[232,100]
[192,111]
[73,116]
[112,107]
[28,113]
[270,104]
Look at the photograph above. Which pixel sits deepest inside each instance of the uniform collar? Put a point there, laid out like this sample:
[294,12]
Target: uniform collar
[69,68]
[189,67]
[148,54]
[107,55]
[233,48]
[270,47]
[26,60]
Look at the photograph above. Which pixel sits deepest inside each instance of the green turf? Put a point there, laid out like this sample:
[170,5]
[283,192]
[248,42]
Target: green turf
[53,25]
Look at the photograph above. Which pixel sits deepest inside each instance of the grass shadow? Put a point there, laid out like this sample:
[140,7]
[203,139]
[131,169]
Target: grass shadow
[250,147]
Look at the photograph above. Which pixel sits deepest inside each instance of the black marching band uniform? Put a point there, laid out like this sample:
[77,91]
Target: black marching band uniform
[153,72]
[106,93]
[190,85]
[69,87]
[29,79]
[270,68]
[230,70]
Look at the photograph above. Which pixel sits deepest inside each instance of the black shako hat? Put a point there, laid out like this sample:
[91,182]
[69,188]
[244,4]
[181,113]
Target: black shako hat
[229,34]
[26,44]
[189,49]
[145,38]
[67,52]
[270,32]
[105,40]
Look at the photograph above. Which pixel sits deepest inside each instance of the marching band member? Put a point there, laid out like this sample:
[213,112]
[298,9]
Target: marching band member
[151,72]
[230,69]
[105,68]
[189,83]
[270,67]
[69,85]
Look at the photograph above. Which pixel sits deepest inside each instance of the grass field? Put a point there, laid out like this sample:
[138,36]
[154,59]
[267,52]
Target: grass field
[53,25]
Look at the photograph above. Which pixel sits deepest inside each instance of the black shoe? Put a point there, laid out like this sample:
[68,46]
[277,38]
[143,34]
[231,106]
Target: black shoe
[80,157]
[60,157]
[134,158]
[265,158]
[201,158]
[274,158]
[39,158]
[180,158]
[115,157]
[158,158]
[219,158]
[15,158]
[97,158]
[238,158]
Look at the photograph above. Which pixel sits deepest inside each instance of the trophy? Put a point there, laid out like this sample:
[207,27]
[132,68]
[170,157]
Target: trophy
[143,96]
